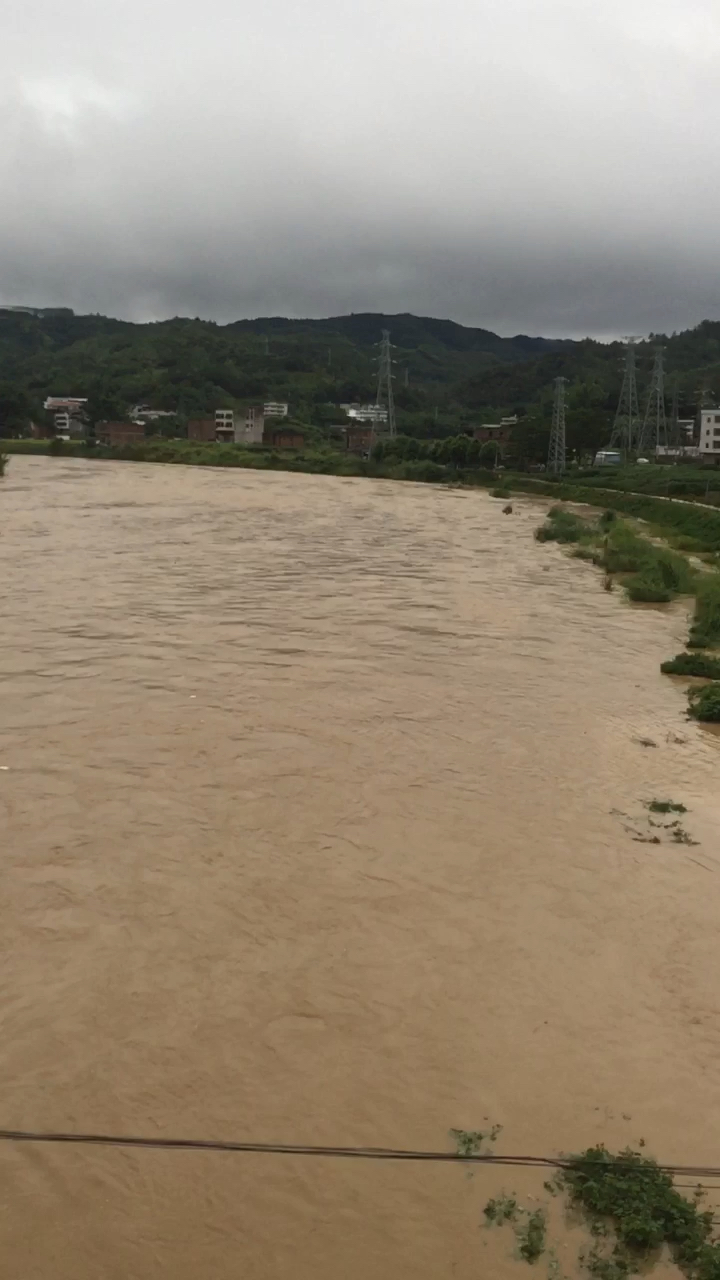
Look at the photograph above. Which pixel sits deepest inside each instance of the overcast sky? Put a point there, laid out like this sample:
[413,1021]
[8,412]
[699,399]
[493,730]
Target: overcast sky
[536,166]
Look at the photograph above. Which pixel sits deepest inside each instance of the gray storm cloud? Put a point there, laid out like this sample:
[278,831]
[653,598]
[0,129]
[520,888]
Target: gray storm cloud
[526,165]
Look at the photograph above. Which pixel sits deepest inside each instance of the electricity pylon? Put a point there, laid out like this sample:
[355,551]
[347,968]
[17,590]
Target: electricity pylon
[627,419]
[654,429]
[674,435]
[556,452]
[385,380]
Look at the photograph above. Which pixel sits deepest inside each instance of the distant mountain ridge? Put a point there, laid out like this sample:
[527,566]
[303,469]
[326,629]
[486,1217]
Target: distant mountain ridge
[448,375]
[408,331]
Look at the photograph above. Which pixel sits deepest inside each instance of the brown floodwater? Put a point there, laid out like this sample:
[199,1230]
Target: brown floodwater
[317,803]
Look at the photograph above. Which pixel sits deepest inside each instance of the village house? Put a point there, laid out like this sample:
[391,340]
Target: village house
[117,434]
[202,430]
[284,437]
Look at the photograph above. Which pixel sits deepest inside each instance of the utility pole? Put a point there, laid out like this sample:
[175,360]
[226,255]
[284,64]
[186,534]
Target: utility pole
[627,419]
[385,380]
[267,346]
[556,451]
[654,428]
[407,375]
[329,358]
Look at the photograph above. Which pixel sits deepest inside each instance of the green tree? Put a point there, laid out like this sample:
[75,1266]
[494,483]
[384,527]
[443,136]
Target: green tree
[489,454]
[15,409]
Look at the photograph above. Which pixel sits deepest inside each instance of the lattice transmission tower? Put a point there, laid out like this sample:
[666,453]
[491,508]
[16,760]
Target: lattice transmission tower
[674,429]
[626,427]
[655,428]
[556,452]
[385,380]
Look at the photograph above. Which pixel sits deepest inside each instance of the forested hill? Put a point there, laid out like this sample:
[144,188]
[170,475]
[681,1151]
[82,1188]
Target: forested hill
[447,375]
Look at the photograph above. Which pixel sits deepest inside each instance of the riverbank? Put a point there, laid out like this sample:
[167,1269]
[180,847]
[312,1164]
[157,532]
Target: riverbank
[315,461]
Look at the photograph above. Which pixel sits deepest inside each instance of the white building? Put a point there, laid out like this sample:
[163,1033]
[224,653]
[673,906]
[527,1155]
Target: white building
[709,432]
[143,413]
[276,409]
[366,412]
[676,453]
[68,415]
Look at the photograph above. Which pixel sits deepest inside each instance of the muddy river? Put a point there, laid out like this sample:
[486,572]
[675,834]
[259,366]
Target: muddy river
[318,800]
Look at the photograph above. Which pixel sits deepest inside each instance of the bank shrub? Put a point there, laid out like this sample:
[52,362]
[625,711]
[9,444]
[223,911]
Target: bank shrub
[659,572]
[705,630]
[624,551]
[423,470]
[705,705]
[648,587]
[675,571]
[692,664]
[563,526]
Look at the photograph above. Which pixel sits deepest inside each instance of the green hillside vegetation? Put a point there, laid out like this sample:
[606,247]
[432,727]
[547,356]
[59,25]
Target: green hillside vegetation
[456,376]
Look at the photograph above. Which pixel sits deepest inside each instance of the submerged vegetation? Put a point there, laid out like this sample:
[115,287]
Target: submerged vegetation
[470,1142]
[562,525]
[632,1211]
[704,703]
[665,806]
[632,1206]
[692,664]
[530,1225]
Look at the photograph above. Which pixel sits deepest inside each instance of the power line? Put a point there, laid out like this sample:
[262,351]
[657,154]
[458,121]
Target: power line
[358,1153]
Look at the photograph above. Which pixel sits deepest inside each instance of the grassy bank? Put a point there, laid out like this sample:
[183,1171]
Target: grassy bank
[681,481]
[688,525]
[652,573]
[316,461]
[648,572]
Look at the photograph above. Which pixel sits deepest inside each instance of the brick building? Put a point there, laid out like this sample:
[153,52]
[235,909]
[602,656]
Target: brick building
[499,432]
[202,429]
[284,438]
[117,434]
[358,437]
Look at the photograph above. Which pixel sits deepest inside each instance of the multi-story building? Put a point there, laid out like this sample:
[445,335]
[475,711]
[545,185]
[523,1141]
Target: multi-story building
[225,425]
[276,409]
[709,443]
[251,429]
[67,414]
